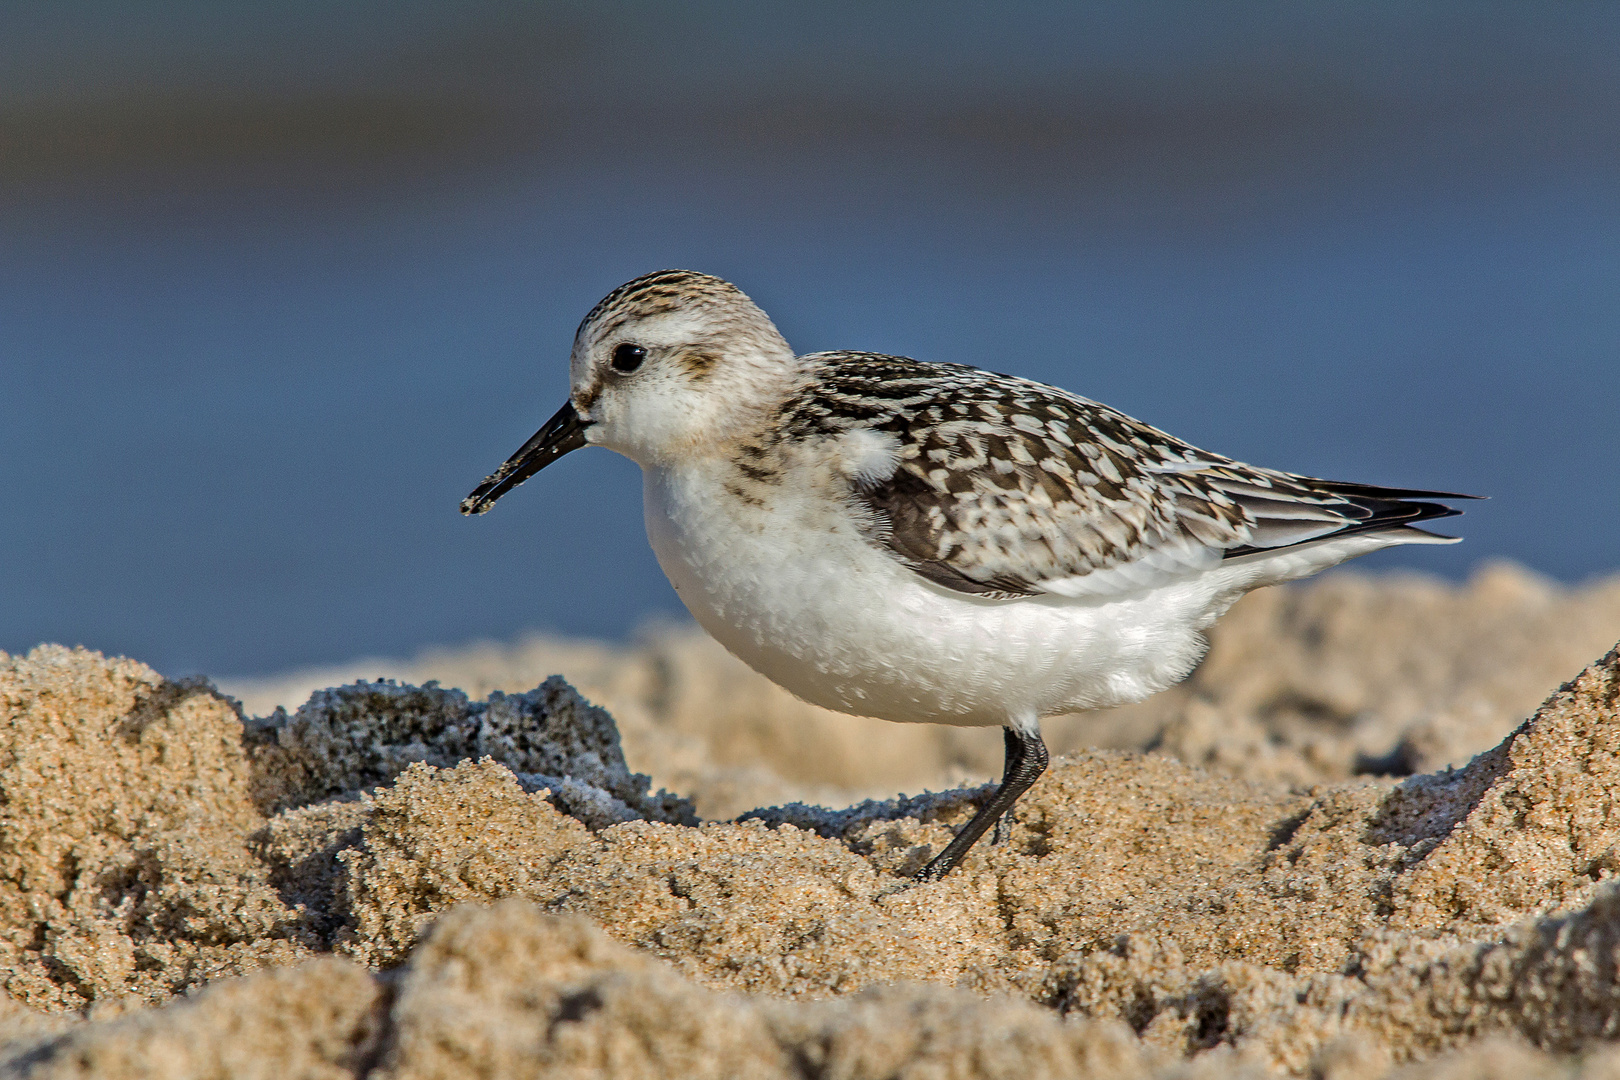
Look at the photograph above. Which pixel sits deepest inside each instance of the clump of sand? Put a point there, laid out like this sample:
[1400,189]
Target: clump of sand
[412,883]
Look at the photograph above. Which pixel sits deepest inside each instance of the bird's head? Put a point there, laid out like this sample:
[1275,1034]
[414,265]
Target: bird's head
[669,366]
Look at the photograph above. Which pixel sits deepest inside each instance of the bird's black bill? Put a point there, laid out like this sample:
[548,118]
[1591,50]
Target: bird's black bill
[562,433]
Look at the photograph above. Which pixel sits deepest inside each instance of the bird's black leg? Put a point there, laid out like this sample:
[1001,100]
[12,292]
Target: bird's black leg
[1004,823]
[1026,760]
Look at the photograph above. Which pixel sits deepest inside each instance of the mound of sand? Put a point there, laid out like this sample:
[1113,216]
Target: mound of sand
[413,883]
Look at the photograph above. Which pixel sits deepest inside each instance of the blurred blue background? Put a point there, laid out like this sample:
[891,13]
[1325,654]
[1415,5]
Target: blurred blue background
[280,284]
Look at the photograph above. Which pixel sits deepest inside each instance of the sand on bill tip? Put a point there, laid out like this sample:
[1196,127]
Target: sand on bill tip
[402,880]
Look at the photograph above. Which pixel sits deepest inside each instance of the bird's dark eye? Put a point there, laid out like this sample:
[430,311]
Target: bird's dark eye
[627,357]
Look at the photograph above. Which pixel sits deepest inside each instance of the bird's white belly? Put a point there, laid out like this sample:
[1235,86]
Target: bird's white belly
[796,591]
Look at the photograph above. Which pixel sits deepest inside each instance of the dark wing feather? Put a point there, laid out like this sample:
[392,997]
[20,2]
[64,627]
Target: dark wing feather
[911,524]
[1360,508]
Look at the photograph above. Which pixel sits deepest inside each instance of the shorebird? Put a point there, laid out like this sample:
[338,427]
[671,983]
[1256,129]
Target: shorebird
[929,542]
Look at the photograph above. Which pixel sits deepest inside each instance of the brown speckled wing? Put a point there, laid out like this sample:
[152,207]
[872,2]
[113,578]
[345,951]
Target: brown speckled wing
[1007,488]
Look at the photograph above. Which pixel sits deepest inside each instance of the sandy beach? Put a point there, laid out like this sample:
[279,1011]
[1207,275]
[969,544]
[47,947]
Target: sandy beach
[1373,835]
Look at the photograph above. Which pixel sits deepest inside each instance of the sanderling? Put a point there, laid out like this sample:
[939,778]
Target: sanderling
[931,542]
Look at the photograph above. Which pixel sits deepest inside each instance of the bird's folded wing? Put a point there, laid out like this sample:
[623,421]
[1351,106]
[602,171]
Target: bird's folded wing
[1003,487]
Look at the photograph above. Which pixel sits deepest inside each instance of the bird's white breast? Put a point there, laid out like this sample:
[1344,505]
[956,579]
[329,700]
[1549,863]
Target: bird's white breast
[780,573]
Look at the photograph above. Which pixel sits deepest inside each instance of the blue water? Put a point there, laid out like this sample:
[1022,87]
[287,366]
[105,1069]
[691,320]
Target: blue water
[235,437]
[279,287]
